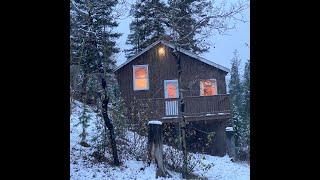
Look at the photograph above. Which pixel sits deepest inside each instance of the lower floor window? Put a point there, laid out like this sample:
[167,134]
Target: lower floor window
[171,89]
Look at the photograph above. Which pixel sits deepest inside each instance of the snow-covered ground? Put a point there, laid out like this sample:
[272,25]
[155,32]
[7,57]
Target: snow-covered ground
[83,166]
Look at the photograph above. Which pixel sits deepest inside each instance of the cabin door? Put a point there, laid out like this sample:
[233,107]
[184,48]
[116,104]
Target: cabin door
[171,95]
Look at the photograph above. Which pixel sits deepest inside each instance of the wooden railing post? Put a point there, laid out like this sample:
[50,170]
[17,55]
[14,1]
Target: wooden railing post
[155,147]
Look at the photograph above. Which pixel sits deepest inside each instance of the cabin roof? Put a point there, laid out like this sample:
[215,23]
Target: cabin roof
[188,53]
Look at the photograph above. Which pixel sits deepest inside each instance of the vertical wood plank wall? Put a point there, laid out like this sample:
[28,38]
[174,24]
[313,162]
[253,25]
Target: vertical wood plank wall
[165,68]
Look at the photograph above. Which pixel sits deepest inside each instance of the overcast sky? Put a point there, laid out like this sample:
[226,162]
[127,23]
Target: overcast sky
[222,46]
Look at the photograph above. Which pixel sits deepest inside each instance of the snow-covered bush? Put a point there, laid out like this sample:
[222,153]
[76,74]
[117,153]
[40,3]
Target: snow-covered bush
[137,146]
[117,112]
[174,160]
[84,122]
[99,140]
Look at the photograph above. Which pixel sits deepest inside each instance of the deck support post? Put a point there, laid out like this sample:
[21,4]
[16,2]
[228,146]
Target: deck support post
[230,142]
[155,147]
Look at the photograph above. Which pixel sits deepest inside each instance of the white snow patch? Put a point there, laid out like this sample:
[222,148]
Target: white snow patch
[169,117]
[82,166]
[222,113]
[229,128]
[155,122]
[210,114]
[223,168]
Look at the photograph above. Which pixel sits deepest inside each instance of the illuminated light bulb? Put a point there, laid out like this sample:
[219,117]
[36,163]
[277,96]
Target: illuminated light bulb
[161,51]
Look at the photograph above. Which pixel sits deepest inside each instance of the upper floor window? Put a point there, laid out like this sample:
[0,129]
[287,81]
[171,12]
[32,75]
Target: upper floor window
[140,77]
[208,87]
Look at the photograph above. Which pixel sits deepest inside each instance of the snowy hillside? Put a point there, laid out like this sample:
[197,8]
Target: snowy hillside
[83,165]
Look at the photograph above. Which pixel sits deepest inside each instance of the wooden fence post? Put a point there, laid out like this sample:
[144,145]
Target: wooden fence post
[155,147]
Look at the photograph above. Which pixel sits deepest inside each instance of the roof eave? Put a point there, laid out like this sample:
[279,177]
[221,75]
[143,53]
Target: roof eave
[173,47]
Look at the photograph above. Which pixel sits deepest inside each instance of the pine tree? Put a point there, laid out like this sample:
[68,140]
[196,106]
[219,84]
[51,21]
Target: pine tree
[191,22]
[235,98]
[92,40]
[240,106]
[184,23]
[246,103]
[147,26]
[93,46]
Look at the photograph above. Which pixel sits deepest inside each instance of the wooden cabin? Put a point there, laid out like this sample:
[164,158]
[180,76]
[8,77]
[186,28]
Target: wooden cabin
[150,80]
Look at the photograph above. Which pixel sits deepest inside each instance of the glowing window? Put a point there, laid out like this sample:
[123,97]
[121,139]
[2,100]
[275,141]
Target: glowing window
[208,87]
[140,77]
[171,89]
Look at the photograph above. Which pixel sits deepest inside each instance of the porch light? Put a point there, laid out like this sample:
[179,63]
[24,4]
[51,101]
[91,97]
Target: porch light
[161,51]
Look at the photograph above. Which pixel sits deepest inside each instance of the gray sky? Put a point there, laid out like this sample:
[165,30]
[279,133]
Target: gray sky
[222,46]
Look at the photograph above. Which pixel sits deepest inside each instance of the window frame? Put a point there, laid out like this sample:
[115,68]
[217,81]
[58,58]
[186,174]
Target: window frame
[134,77]
[165,90]
[216,86]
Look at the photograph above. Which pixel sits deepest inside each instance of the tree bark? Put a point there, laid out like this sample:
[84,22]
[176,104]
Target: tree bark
[155,148]
[182,122]
[184,148]
[109,125]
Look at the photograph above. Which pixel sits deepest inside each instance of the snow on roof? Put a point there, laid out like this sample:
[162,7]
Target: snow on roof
[181,50]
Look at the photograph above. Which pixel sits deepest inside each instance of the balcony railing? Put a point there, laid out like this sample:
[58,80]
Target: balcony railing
[205,105]
[195,106]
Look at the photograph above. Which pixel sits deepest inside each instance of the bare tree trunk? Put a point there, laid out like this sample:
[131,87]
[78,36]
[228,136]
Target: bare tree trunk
[155,147]
[109,125]
[182,124]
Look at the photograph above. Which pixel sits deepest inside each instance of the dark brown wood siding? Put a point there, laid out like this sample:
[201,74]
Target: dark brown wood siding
[165,68]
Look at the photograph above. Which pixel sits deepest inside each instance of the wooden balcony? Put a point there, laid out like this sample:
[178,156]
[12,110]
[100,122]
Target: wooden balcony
[196,108]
